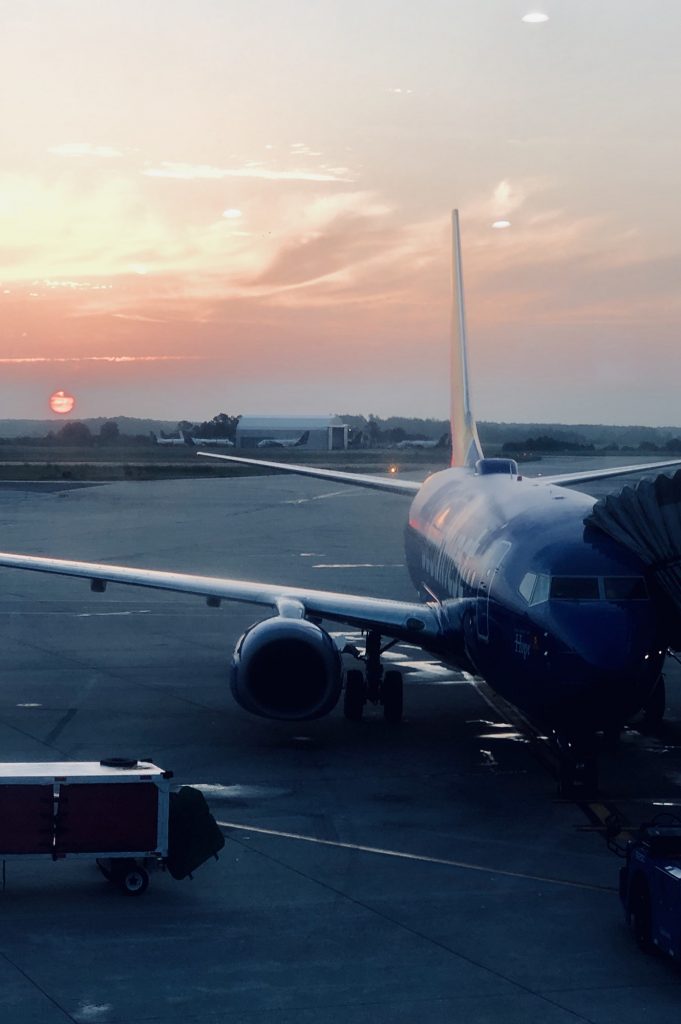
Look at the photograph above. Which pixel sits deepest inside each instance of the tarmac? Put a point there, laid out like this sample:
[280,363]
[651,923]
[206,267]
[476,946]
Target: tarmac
[371,873]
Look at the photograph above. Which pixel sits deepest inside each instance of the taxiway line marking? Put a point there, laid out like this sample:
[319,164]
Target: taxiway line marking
[423,858]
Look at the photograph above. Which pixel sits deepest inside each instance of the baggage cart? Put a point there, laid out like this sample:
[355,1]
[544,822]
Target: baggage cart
[115,812]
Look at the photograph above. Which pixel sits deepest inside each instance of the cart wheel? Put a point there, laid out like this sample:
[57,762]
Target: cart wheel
[134,881]
[129,877]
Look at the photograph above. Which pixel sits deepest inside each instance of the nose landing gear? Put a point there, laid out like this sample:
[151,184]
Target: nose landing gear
[655,707]
[577,766]
[373,685]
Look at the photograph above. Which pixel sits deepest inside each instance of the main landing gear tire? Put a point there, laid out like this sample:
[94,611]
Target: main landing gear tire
[353,699]
[392,693]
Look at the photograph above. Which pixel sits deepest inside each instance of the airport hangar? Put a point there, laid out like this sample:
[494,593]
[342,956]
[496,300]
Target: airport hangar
[326,433]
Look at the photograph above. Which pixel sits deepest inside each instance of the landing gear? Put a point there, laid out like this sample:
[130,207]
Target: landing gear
[612,734]
[653,712]
[374,685]
[353,701]
[577,767]
[392,692]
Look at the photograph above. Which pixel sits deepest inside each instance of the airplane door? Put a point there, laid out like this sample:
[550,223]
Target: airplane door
[496,556]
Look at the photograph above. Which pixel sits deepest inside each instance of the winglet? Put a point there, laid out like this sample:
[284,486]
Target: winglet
[466,449]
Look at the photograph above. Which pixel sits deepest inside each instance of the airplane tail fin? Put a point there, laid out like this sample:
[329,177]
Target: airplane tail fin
[466,449]
[187,438]
[153,436]
[303,439]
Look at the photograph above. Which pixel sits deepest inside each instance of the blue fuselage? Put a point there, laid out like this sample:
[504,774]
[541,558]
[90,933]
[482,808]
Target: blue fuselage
[520,552]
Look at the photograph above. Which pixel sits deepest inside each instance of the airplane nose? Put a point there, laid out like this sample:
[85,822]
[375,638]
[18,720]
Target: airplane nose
[603,659]
[611,639]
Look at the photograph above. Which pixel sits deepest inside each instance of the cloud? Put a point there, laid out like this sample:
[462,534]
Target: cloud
[506,198]
[84,149]
[193,172]
[139,318]
[552,267]
[308,247]
[14,360]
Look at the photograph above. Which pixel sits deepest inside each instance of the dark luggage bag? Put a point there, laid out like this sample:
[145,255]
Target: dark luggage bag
[193,834]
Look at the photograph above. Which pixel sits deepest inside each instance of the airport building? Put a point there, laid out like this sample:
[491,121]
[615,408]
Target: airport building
[311,433]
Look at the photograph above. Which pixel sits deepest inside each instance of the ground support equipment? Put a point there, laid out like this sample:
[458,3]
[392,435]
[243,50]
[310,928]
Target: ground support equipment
[118,813]
[650,887]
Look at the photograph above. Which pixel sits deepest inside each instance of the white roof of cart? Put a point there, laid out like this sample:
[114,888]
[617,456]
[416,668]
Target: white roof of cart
[72,770]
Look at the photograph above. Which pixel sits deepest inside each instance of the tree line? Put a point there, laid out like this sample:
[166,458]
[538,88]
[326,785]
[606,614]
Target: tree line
[76,434]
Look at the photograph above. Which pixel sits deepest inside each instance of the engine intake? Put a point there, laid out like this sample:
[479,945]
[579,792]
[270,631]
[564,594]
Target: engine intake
[289,669]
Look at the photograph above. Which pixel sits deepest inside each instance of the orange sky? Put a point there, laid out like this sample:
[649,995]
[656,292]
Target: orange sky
[244,207]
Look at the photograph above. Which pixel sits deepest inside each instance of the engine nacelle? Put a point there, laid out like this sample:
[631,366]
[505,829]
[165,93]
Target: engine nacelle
[288,669]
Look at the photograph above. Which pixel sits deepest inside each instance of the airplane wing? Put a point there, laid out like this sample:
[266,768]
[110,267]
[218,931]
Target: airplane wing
[398,619]
[378,483]
[585,476]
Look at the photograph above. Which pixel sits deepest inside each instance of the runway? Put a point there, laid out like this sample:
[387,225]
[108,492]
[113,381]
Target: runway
[371,873]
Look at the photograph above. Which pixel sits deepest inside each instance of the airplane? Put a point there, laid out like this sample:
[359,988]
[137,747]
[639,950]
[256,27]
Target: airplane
[181,439]
[441,442]
[284,442]
[559,618]
[209,442]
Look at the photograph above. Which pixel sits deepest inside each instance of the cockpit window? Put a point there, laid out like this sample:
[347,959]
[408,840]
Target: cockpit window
[625,588]
[536,588]
[574,588]
[527,585]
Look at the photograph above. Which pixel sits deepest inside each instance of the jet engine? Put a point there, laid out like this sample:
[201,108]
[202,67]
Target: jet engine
[286,668]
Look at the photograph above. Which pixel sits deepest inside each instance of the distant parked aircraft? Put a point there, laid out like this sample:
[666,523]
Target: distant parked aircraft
[180,439]
[206,442]
[441,442]
[284,442]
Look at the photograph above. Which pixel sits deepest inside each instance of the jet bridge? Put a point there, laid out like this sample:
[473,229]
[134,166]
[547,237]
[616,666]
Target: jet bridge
[646,518]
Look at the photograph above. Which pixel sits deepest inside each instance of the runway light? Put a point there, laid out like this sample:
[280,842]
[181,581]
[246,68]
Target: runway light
[534,18]
[393,469]
[499,224]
